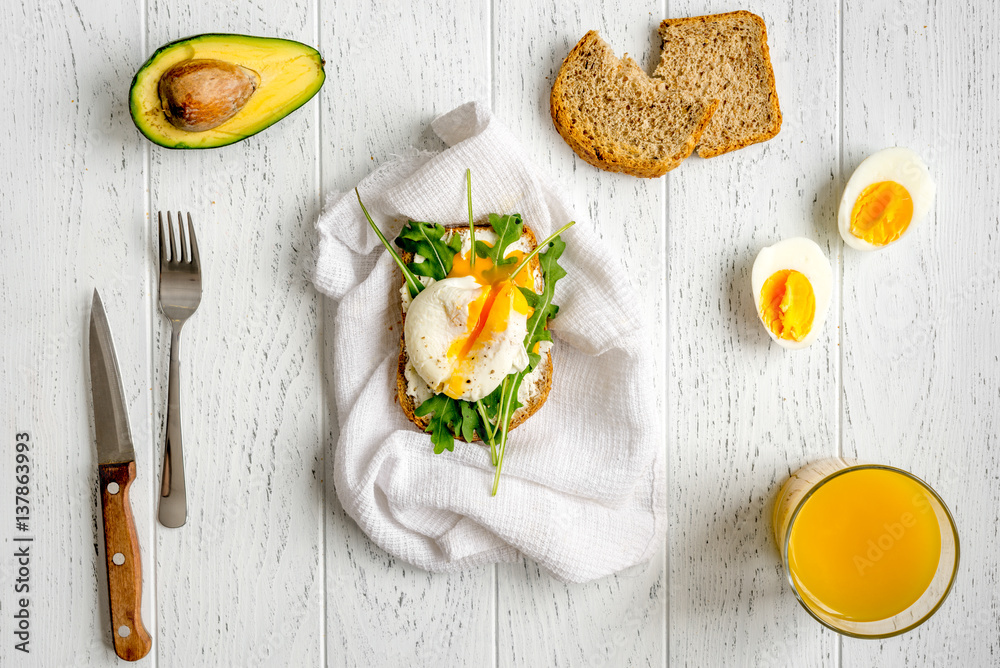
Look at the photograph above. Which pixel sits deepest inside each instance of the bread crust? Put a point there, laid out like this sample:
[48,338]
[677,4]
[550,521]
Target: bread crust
[607,157]
[521,414]
[775,109]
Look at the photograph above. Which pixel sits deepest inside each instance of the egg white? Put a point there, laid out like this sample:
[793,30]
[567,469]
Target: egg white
[892,164]
[806,257]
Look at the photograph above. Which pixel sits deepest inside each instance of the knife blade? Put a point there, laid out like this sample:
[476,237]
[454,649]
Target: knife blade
[116,470]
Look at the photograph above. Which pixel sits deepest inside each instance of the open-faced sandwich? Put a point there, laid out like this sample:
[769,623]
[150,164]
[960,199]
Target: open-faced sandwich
[475,358]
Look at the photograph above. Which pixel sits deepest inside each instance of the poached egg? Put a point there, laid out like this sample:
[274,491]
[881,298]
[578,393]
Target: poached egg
[465,333]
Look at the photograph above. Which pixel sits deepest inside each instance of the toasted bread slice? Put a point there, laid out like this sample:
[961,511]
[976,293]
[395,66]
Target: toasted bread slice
[619,119]
[723,56]
[543,380]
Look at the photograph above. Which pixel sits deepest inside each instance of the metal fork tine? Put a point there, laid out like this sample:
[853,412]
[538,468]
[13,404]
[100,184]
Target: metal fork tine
[164,255]
[173,244]
[195,259]
[185,255]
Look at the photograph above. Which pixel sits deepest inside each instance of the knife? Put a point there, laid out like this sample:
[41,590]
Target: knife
[116,468]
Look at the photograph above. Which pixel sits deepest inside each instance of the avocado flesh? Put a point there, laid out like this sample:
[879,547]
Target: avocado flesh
[290,74]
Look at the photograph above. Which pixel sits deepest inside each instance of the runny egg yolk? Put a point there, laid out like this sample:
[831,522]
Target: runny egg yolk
[881,213]
[489,313]
[788,304]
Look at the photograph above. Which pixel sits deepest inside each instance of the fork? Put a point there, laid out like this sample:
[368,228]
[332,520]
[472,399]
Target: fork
[180,294]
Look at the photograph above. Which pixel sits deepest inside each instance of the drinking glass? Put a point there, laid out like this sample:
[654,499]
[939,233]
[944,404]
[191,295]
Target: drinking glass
[834,522]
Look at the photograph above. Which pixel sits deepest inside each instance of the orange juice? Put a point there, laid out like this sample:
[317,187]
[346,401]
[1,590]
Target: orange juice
[865,545]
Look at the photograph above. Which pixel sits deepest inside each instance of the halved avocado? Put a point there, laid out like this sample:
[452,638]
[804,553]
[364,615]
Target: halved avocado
[284,75]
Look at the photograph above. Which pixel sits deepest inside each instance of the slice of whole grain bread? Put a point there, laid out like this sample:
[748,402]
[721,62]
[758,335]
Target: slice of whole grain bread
[542,386]
[617,118]
[723,56]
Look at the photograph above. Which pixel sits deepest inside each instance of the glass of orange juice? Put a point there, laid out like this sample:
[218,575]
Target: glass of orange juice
[871,551]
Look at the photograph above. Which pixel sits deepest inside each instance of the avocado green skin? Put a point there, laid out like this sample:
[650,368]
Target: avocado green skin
[136,110]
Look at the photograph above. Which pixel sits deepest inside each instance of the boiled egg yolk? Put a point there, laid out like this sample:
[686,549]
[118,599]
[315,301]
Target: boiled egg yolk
[489,313]
[788,304]
[881,213]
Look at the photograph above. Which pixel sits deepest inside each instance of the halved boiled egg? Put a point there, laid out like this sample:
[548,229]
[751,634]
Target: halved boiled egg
[792,282]
[888,195]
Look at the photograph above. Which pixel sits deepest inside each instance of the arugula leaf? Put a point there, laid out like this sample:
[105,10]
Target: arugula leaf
[508,405]
[538,331]
[442,423]
[427,240]
[545,244]
[491,402]
[488,431]
[470,421]
[489,408]
[451,418]
[412,284]
[544,309]
[472,225]
[508,230]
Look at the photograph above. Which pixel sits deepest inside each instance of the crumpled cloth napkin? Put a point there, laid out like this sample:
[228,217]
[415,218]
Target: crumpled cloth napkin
[582,490]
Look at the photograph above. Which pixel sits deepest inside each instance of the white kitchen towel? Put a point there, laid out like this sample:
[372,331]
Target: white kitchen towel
[582,490]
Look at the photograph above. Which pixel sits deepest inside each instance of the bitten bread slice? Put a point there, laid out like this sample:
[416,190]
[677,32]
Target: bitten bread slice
[543,382]
[617,118]
[723,56]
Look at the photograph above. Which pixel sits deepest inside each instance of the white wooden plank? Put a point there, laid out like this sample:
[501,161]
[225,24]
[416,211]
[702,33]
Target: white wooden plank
[744,412]
[72,214]
[391,71]
[920,318]
[242,582]
[619,620]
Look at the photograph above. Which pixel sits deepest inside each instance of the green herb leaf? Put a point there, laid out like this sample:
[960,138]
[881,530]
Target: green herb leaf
[442,423]
[472,225]
[545,310]
[427,240]
[537,249]
[488,430]
[489,408]
[470,421]
[508,230]
[414,285]
[452,418]
[508,405]
[538,331]
[492,402]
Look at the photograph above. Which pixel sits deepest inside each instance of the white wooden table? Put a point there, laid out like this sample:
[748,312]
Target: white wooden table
[269,570]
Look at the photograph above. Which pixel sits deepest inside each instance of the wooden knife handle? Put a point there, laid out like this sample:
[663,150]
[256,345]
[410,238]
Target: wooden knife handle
[121,548]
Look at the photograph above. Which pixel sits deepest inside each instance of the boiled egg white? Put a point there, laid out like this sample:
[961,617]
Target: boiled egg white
[463,338]
[888,195]
[792,282]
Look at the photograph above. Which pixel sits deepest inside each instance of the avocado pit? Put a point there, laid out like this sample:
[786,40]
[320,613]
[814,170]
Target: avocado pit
[201,94]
